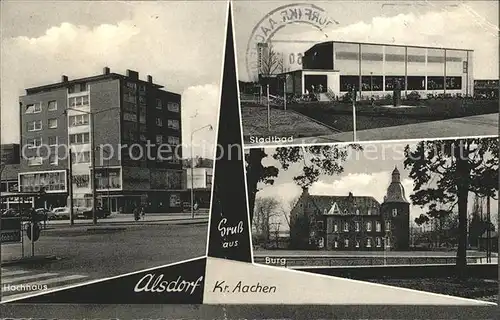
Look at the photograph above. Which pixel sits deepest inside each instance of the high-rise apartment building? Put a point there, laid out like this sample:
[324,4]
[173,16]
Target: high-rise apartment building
[131,126]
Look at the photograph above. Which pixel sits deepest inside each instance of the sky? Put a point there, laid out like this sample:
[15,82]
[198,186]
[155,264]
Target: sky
[179,43]
[453,24]
[366,173]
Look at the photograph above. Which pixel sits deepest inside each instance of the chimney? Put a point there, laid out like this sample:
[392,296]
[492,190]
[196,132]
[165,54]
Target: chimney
[64,78]
[105,70]
[150,79]
[134,75]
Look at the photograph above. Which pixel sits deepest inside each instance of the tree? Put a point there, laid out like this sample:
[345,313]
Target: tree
[271,61]
[266,209]
[317,160]
[445,171]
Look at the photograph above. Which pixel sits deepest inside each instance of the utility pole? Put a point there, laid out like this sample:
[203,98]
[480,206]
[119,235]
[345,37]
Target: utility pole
[92,175]
[268,111]
[70,188]
[354,113]
[488,231]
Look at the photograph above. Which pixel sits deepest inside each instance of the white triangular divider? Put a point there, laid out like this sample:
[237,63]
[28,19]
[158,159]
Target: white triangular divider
[233,282]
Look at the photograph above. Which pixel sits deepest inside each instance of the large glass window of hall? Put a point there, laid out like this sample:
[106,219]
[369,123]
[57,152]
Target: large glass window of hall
[372,64]
[346,58]
[395,57]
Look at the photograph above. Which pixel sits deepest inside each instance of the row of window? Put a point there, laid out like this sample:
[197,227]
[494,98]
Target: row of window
[37,107]
[357,226]
[171,106]
[170,140]
[392,57]
[77,157]
[376,82]
[366,244]
[36,125]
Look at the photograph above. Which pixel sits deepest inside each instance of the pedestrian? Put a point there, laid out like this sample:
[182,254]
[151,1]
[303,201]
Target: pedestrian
[143,213]
[136,213]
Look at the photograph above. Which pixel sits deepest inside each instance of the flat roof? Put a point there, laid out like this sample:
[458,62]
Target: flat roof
[388,44]
[112,75]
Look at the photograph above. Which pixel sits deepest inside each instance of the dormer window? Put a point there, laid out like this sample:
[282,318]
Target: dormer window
[394,212]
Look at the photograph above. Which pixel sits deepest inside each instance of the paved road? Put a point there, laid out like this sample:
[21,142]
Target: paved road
[482,125]
[129,218]
[87,256]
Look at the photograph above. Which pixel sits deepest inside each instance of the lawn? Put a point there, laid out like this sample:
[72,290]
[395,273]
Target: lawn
[482,289]
[339,114]
[283,124]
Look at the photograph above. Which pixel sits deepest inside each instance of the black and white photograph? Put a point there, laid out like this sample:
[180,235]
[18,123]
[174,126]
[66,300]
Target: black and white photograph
[340,71]
[108,123]
[420,215]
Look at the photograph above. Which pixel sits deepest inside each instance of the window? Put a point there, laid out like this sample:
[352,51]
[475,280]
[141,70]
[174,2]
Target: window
[387,242]
[127,116]
[159,122]
[368,226]
[347,82]
[320,225]
[173,107]
[346,243]
[142,118]
[416,83]
[378,242]
[387,226]
[52,105]
[53,141]
[357,243]
[435,83]
[346,227]
[335,227]
[159,139]
[391,82]
[142,88]
[394,212]
[81,157]
[357,212]
[34,108]
[142,99]
[143,137]
[159,104]
[131,85]
[53,159]
[33,142]
[79,101]
[35,161]
[81,181]
[83,87]
[454,83]
[173,124]
[79,120]
[52,123]
[335,244]
[372,83]
[378,226]
[173,140]
[35,125]
[79,138]
[368,243]
[357,226]
[369,211]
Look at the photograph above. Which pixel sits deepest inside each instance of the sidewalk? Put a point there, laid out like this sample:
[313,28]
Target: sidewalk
[124,219]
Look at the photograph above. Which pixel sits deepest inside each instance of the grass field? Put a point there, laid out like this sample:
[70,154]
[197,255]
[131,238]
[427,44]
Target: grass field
[283,124]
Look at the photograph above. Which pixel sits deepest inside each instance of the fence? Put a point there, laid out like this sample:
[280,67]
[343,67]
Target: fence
[358,260]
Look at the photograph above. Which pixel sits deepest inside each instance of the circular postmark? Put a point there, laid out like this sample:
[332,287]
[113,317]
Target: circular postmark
[266,28]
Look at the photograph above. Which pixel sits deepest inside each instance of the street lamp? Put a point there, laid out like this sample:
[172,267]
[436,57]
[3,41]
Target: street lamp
[209,126]
[93,149]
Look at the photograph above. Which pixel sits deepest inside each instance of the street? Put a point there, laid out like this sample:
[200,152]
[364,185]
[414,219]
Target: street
[84,255]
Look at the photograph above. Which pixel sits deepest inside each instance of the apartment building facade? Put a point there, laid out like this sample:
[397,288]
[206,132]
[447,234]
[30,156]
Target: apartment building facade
[124,122]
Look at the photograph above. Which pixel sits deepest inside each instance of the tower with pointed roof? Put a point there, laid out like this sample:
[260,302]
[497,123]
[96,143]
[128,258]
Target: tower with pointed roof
[396,213]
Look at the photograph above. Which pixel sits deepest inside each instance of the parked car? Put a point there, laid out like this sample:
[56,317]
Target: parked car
[100,213]
[61,213]
[44,214]
[10,213]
